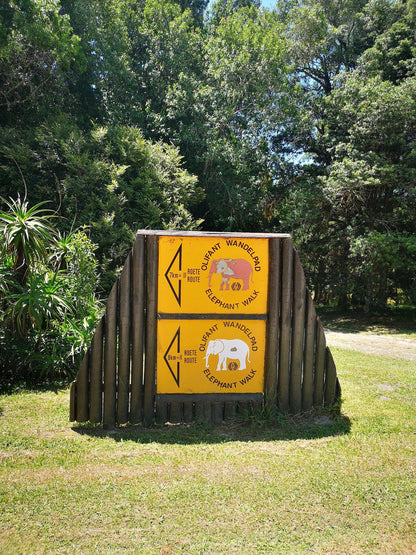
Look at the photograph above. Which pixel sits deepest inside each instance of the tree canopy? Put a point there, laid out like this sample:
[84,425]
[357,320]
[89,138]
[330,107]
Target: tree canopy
[174,113]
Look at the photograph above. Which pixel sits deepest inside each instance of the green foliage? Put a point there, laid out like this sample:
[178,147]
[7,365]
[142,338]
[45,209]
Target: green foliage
[48,318]
[26,232]
[168,114]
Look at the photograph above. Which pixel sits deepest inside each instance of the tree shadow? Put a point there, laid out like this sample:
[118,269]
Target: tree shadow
[389,320]
[310,426]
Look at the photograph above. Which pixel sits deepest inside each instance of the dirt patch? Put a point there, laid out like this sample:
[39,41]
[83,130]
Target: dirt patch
[393,346]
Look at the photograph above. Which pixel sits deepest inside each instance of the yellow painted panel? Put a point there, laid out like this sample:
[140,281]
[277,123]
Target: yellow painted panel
[212,275]
[210,356]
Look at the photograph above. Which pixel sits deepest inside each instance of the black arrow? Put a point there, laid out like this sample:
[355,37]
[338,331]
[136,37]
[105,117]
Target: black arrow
[177,294]
[177,338]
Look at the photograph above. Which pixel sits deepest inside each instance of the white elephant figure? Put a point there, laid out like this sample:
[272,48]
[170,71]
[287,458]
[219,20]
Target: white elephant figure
[235,349]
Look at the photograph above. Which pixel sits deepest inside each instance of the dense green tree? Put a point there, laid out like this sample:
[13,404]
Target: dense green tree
[39,53]
[358,183]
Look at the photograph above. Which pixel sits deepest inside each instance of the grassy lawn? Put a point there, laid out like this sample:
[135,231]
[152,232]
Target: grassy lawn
[310,485]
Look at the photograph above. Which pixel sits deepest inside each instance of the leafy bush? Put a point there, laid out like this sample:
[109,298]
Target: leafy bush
[48,303]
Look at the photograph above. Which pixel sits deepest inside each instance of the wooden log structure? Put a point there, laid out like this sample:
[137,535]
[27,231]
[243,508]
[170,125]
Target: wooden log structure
[117,380]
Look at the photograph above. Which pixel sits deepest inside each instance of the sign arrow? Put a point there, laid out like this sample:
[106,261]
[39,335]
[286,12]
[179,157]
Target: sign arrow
[173,354]
[174,272]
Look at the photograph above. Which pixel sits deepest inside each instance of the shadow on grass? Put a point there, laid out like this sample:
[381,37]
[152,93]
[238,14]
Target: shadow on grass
[390,320]
[305,426]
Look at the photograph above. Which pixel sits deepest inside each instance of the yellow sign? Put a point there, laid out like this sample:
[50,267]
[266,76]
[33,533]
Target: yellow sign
[210,356]
[212,275]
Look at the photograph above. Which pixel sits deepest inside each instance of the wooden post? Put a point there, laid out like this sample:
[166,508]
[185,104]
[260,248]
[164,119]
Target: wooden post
[96,369]
[73,401]
[188,411]
[298,324]
[272,337]
[318,393]
[286,326]
[123,385]
[330,379]
[175,412]
[110,359]
[82,390]
[151,328]
[308,372]
[137,328]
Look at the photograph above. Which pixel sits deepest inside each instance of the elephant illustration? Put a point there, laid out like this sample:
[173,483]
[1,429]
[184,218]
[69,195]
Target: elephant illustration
[237,268]
[234,349]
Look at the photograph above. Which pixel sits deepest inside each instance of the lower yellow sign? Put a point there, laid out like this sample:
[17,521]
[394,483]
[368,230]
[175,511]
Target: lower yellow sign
[210,356]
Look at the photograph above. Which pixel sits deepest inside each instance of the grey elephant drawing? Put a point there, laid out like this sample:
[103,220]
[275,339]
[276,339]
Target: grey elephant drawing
[236,269]
[234,349]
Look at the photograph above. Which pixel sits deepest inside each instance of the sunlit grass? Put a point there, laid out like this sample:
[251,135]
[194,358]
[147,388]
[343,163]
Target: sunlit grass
[308,485]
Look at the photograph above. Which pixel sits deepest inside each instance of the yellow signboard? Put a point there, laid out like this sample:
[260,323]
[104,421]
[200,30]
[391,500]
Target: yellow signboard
[210,356]
[212,275]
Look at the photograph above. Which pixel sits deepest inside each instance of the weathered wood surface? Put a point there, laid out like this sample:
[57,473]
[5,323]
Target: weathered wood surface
[137,328]
[116,382]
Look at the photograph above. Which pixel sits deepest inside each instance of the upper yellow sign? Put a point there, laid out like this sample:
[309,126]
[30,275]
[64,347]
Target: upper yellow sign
[212,275]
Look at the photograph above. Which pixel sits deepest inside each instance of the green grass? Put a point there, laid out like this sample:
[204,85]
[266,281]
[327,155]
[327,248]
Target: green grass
[308,485]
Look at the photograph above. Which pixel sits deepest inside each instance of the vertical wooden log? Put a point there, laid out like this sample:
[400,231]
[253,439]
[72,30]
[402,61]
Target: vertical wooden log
[318,393]
[217,413]
[330,379]
[229,409]
[137,326]
[123,386]
[83,410]
[73,401]
[199,411]
[110,359]
[272,335]
[188,411]
[175,412]
[308,372]
[298,323]
[151,328]
[161,412]
[96,371]
[286,326]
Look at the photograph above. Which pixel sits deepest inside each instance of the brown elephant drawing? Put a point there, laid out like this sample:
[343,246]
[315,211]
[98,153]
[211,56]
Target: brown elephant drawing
[237,269]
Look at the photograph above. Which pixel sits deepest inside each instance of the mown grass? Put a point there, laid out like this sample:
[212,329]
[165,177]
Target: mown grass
[315,484]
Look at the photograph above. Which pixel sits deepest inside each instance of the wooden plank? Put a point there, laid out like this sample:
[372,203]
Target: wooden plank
[110,359]
[229,409]
[203,411]
[237,234]
[188,411]
[137,328]
[73,402]
[96,372]
[298,331]
[330,379]
[161,412]
[208,316]
[83,411]
[151,328]
[217,413]
[199,410]
[318,394]
[123,385]
[285,326]
[175,415]
[308,371]
[211,397]
[272,333]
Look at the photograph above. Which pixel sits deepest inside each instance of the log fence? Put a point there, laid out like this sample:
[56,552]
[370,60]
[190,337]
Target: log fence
[116,381]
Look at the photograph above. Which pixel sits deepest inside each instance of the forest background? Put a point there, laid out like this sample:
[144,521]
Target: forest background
[128,114]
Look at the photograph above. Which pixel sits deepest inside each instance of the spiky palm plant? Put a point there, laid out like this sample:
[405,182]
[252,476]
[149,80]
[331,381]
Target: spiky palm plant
[26,233]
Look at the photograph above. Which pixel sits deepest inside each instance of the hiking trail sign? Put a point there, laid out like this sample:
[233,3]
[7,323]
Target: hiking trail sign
[201,326]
